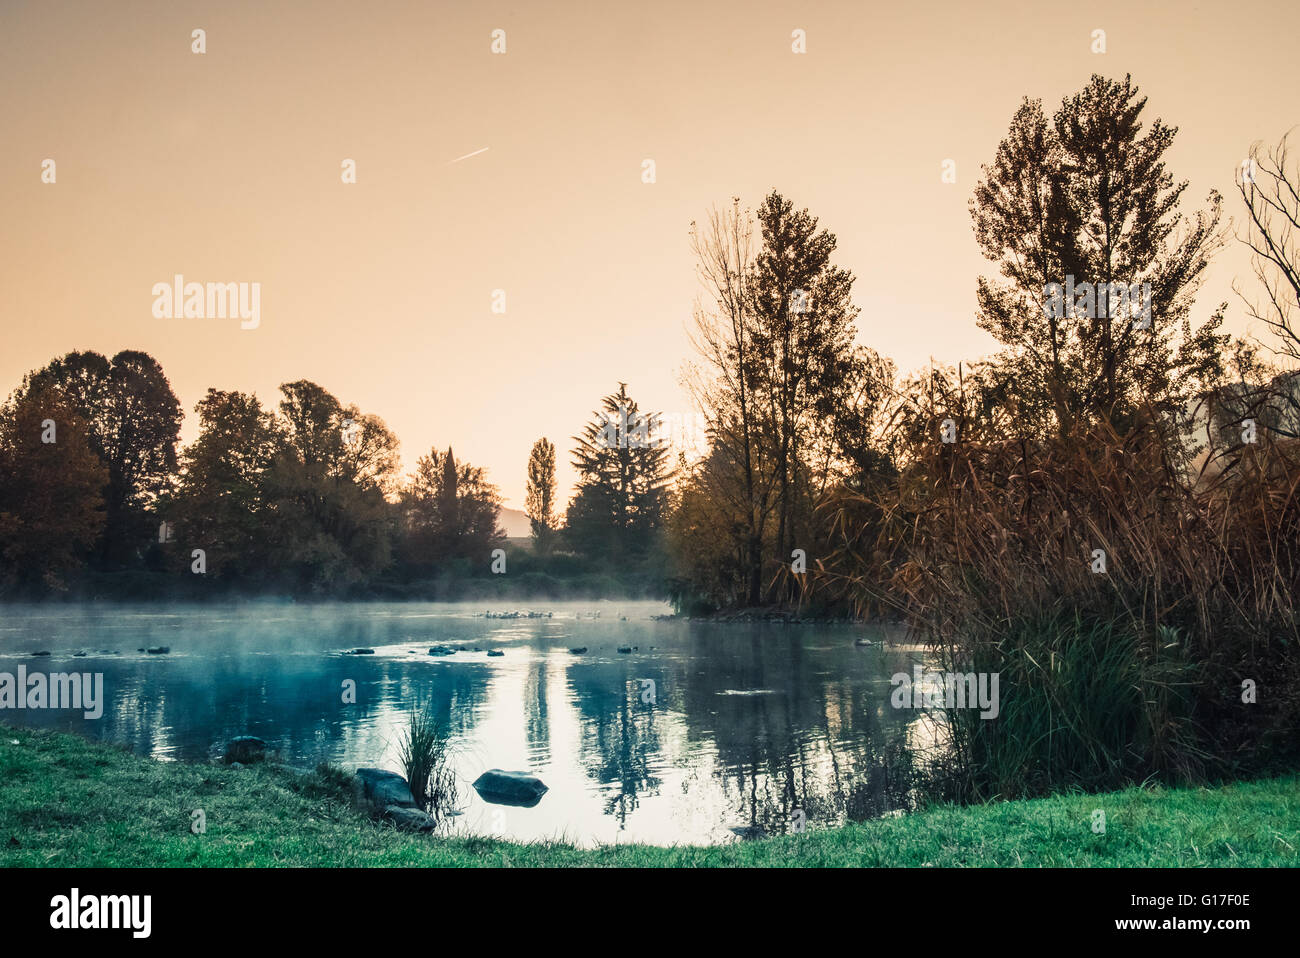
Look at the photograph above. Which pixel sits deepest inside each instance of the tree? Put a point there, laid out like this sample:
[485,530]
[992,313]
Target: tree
[134,422]
[449,504]
[51,493]
[1086,202]
[708,541]
[1269,185]
[314,427]
[450,511]
[618,508]
[330,524]
[724,389]
[790,399]
[539,498]
[221,502]
[803,344]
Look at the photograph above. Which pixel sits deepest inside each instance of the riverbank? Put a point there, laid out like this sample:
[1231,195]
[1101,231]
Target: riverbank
[70,802]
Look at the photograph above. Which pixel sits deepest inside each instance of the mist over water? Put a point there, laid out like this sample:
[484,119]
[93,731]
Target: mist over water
[704,731]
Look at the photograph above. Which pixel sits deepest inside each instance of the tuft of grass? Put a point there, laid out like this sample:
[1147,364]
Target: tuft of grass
[70,802]
[1082,706]
[423,754]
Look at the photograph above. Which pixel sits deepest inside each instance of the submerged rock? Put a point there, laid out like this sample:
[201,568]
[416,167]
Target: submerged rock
[625,650]
[378,789]
[245,749]
[158,650]
[510,788]
[360,652]
[579,651]
[39,654]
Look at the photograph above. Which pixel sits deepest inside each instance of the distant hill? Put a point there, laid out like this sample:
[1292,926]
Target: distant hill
[515,523]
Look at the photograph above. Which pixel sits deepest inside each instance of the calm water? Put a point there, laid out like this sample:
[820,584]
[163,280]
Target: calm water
[743,726]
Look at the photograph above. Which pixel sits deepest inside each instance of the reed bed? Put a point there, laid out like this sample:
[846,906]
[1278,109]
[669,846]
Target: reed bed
[1123,597]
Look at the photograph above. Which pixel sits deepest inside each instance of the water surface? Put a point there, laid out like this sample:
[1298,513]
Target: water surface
[705,732]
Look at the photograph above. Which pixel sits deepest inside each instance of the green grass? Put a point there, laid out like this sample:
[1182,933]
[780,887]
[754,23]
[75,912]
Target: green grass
[65,801]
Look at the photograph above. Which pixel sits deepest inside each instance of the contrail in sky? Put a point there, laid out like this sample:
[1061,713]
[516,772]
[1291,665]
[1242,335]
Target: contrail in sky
[468,155]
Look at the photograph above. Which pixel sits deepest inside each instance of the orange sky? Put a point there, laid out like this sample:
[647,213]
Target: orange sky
[225,167]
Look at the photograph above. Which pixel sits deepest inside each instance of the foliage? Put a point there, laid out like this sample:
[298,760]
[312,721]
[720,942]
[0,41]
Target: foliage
[618,510]
[51,494]
[1086,198]
[449,511]
[539,502]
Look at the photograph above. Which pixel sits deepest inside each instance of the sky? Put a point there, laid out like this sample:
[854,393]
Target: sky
[522,172]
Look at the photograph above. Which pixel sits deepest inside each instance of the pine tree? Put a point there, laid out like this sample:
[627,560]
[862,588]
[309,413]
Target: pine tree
[618,509]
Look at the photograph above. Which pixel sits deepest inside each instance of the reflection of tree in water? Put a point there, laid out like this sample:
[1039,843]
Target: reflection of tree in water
[617,735]
[199,703]
[829,782]
[812,744]
[537,716]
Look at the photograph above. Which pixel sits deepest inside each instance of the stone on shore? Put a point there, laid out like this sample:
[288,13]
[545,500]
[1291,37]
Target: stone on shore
[377,789]
[411,819]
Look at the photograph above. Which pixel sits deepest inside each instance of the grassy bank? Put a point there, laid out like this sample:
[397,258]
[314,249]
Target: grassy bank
[66,801]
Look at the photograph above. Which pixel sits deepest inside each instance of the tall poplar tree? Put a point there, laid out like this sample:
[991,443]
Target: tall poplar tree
[539,500]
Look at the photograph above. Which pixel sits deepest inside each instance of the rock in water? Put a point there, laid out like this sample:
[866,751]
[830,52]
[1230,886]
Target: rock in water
[379,788]
[245,749]
[510,788]
[360,652]
[579,651]
[495,653]
[158,650]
